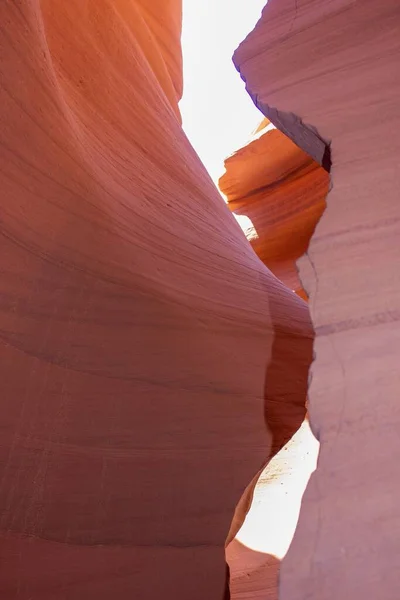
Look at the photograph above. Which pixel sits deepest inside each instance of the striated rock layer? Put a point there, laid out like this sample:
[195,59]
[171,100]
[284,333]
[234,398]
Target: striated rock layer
[282,190]
[334,66]
[150,363]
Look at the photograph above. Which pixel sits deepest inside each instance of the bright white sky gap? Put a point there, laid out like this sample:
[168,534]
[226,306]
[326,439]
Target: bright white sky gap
[218,115]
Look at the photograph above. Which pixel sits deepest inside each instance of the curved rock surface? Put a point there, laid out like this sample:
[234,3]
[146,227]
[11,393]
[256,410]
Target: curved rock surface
[335,66]
[150,363]
[282,190]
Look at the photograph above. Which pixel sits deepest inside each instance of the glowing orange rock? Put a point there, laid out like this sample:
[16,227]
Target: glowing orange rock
[282,190]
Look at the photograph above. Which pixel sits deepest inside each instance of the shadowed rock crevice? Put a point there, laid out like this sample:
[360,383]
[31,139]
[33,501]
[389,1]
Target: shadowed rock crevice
[303,135]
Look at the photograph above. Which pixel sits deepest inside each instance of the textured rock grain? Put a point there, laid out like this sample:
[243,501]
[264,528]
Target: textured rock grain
[336,66]
[144,348]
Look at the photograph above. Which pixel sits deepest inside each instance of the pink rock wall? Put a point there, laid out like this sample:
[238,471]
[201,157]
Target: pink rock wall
[335,65]
[149,361]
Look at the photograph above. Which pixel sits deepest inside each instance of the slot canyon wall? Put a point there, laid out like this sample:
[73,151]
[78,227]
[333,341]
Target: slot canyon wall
[150,363]
[332,68]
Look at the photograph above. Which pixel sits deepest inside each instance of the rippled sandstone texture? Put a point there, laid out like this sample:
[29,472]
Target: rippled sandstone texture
[282,190]
[335,66]
[150,363]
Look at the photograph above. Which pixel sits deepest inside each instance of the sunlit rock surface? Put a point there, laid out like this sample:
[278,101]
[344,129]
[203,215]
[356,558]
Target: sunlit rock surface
[255,554]
[335,66]
[150,363]
[277,191]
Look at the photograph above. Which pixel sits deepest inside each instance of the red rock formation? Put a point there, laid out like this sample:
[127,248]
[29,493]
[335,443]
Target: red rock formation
[149,361]
[282,190]
[335,65]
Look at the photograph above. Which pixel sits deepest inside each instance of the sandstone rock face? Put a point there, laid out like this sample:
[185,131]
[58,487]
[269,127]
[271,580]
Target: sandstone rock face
[335,65]
[282,190]
[150,363]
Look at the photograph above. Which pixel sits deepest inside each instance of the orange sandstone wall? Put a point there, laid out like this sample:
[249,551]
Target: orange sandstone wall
[282,190]
[334,66]
[150,363]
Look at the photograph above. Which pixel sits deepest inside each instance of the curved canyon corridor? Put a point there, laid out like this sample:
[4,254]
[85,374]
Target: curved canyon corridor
[155,363]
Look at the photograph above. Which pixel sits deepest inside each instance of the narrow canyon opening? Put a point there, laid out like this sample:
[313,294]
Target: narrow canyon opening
[275,184]
[152,358]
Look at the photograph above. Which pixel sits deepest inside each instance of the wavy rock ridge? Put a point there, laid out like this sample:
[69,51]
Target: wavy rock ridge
[336,66]
[144,348]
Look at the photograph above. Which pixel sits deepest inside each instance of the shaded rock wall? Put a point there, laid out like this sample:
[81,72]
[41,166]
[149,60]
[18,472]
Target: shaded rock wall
[335,65]
[150,363]
[282,190]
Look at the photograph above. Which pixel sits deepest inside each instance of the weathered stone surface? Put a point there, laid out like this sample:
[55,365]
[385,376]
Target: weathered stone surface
[144,348]
[336,66]
[282,190]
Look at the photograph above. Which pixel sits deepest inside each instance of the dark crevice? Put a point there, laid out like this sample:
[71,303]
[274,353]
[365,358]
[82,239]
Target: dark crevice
[304,136]
[326,159]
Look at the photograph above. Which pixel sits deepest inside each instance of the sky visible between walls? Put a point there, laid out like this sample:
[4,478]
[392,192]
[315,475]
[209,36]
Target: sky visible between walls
[218,114]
